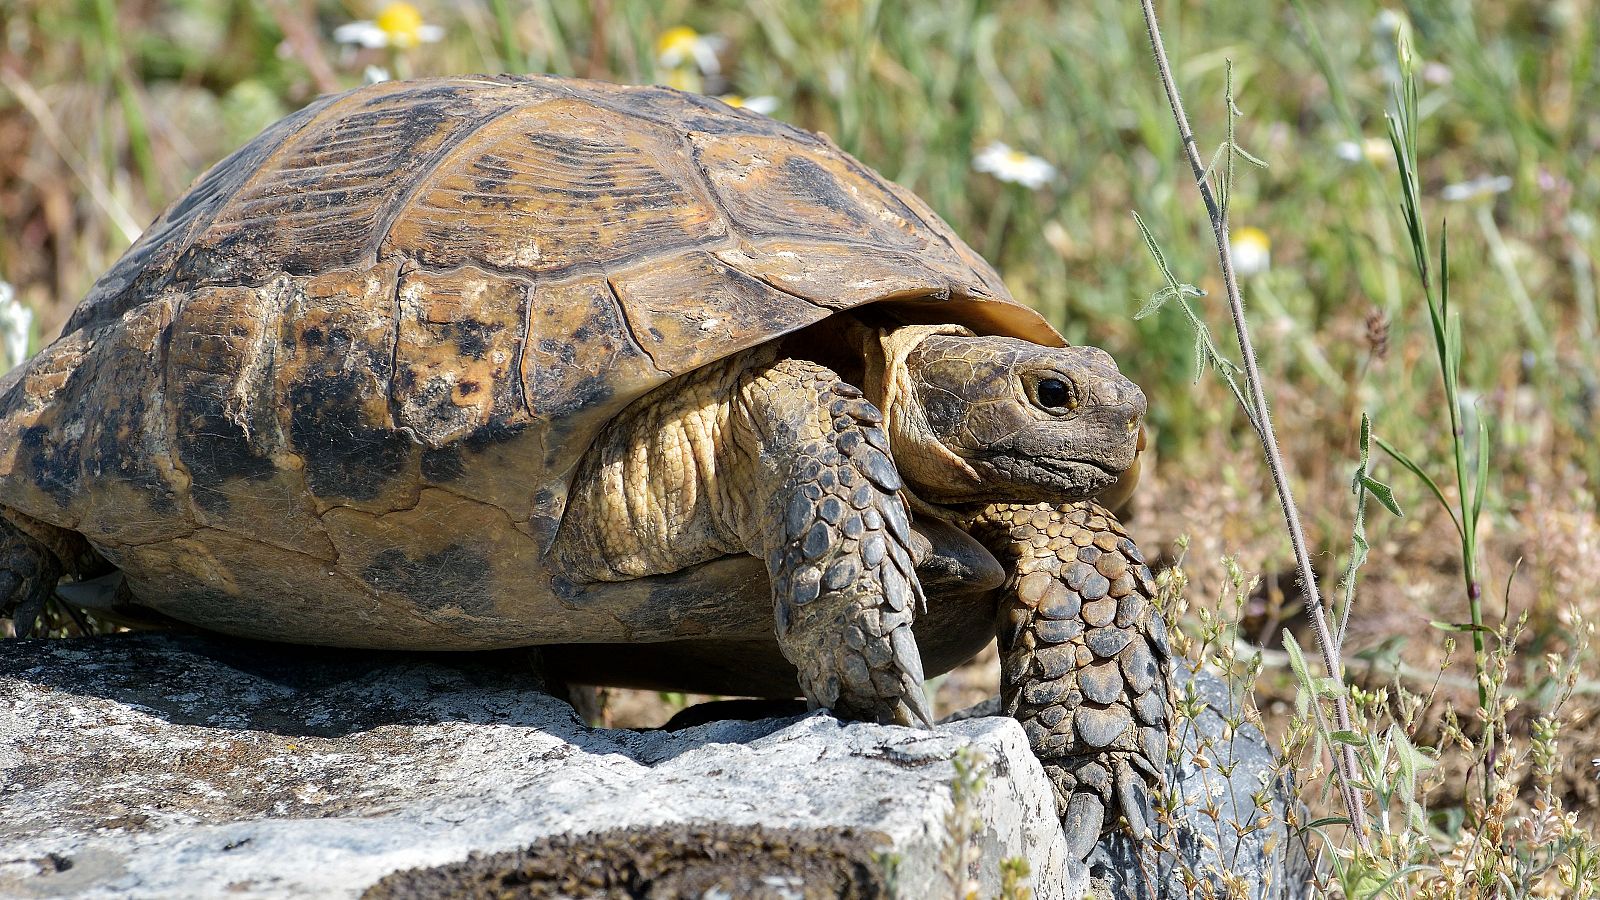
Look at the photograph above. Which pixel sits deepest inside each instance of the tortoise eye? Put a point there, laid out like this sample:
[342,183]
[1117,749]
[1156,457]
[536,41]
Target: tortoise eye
[1053,393]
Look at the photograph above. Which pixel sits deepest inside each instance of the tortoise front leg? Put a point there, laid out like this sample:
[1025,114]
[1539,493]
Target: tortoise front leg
[837,543]
[781,459]
[1084,660]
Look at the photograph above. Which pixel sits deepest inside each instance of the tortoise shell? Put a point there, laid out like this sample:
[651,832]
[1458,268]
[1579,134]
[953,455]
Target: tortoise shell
[401,315]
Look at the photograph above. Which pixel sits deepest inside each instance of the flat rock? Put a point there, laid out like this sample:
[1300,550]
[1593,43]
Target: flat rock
[169,765]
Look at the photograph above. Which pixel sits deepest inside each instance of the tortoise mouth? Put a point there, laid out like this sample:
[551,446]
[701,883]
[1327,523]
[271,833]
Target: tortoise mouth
[1095,476]
[1068,480]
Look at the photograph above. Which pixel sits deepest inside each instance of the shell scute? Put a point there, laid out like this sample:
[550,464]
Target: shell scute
[321,197]
[582,364]
[777,185]
[560,185]
[459,345]
[145,269]
[729,309]
[333,374]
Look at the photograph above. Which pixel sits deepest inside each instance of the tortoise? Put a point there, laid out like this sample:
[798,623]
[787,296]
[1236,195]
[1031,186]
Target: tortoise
[683,395]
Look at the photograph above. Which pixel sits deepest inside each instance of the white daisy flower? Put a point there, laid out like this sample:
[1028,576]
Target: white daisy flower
[16,322]
[374,74]
[1006,164]
[764,104]
[1373,149]
[397,25]
[1477,188]
[1251,250]
[681,45]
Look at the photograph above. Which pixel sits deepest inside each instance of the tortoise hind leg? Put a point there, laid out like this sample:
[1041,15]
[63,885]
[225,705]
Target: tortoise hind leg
[1084,661]
[28,574]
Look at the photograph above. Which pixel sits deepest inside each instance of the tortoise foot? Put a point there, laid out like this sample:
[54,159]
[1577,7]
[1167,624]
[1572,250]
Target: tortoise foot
[28,576]
[1091,793]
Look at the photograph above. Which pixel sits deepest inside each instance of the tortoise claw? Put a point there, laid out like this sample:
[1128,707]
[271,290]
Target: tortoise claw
[1085,815]
[1133,795]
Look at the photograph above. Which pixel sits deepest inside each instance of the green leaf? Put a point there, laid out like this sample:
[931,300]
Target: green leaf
[1155,252]
[1400,457]
[1452,336]
[1297,660]
[1216,157]
[1348,737]
[1410,757]
[1250,158]
[1365,454]
[1444,266]
[1200,355]
[1483,471]
[1155,301]
[1384,494]
[1152,304]
[1328,820]
[1393,879]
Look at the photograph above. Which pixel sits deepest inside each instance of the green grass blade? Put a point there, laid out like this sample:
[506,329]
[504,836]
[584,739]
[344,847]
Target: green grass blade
[1400,457]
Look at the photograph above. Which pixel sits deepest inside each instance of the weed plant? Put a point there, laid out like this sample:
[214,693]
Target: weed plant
[1383,845]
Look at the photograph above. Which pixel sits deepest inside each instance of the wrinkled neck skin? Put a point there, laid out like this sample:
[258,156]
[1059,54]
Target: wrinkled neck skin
[888,384]
[970,426]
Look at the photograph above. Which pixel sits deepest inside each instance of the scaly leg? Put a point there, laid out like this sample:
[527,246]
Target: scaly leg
[1084,660]
[836,537]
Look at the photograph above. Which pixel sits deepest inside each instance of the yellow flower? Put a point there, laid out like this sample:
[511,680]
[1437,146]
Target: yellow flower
[1252,251]
[683,80]
[764,105]
[398,25]
[681,45]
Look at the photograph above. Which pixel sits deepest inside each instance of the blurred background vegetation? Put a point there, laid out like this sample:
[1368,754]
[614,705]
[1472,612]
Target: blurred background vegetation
[109,108]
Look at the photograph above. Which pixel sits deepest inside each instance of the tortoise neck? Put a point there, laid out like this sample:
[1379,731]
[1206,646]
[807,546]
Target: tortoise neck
[930,468]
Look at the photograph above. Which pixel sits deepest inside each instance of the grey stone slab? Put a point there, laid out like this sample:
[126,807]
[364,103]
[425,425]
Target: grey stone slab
[164,765]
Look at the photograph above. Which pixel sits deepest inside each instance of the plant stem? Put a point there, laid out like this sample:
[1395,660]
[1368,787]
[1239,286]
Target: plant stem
[291,17]
[1343,754]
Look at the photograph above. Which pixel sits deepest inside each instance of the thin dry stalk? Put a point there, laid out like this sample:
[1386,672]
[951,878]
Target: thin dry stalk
[59,142]
[1344,758]
[291,17]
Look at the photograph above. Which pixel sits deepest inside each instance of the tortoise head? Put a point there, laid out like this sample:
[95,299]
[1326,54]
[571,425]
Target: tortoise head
[1001,419]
